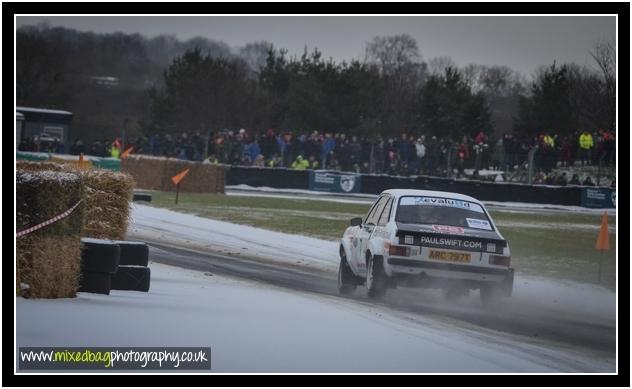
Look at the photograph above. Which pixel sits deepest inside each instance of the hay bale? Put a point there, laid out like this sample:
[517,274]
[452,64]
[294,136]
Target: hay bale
[45,194]
[48,259]
[108,194]
[48,266]
[148,172]
[30,166]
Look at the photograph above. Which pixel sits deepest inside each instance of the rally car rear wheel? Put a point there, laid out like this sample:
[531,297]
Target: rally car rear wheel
[376,281]
[346,279]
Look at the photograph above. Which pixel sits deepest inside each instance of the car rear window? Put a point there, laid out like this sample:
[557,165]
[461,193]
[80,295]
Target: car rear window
[441,210]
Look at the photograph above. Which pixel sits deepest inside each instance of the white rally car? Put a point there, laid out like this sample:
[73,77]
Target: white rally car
[429,239]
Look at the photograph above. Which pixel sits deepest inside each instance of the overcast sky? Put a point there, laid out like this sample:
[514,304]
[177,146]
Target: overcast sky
[523,43]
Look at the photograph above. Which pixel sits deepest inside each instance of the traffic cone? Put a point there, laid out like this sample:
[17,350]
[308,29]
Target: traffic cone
[603,240]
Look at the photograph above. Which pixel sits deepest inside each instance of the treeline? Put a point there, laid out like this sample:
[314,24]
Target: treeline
[166,85]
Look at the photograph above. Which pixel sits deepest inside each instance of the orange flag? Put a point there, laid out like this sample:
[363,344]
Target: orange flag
[603,241]
[178,177]
[127,152]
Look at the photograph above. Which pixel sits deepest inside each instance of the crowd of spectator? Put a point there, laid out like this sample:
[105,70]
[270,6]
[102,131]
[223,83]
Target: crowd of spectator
[408,154]
[42,144]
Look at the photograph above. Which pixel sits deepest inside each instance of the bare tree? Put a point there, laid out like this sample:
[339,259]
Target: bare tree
[471,76]
[255,54]
[605,55]
[392,53]
[438,65]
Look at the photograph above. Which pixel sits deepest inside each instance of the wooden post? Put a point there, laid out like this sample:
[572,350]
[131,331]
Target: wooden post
[208,139]
[176,180]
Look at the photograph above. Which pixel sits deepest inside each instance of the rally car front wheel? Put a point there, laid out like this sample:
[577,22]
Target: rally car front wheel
[346,279]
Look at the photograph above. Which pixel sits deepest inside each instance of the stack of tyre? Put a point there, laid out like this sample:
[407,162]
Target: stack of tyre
[114,265]
[142,197]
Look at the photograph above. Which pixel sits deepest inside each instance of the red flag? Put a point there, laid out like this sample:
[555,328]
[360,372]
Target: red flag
[127,152]
[178,177]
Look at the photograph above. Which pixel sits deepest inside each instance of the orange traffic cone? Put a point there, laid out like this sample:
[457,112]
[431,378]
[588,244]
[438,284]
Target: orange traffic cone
[603,240]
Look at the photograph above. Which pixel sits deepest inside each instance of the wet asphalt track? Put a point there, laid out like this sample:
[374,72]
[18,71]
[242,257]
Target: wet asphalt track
[537,324]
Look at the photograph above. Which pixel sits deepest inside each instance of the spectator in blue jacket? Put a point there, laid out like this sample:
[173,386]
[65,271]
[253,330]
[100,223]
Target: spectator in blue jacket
[253,150]
[329,144]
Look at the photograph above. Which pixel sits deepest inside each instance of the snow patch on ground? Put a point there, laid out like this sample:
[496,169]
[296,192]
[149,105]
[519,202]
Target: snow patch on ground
[268,189]
[361,198]
[162,225]
[568,298]
[559,226]
[303,197]
[546,207]
[97,241]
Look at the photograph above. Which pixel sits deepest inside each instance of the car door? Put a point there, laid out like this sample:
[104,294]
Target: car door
[355,247]
[367,228]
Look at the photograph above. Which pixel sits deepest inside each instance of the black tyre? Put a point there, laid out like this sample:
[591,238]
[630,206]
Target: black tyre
[142,197]
[376,281]
[131,278]
[95,283]
[347,281]
[99,256]
[133,253]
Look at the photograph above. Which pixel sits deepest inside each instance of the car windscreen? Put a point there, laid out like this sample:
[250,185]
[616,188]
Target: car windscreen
[441,210]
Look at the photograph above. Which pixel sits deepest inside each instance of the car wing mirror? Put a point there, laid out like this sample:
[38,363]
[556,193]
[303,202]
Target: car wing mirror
[356,221]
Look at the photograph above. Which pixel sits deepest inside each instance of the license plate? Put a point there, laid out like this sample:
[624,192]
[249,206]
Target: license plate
[449,256]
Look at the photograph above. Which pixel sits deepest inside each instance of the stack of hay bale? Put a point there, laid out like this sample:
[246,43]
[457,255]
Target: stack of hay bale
[48,259]
[104,213]
[154,173]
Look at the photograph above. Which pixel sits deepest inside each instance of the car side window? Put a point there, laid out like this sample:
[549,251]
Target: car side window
[386,213]
[372,219]
[372,210]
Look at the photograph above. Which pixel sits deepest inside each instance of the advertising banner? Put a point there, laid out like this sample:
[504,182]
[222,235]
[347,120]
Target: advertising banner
[327,181]
[599,198]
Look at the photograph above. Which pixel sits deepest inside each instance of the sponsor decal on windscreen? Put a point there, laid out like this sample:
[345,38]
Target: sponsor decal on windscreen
[478,223]
[448,229]
[441,202]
